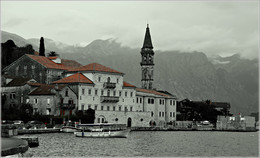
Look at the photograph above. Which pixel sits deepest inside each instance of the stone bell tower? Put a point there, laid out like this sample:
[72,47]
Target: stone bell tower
[147,62]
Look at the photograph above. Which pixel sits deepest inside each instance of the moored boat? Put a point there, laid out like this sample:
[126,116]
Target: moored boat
[69,129]
[102,131]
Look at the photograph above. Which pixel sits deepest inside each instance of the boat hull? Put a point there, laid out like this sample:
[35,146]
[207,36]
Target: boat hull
[108,134]
[67,129]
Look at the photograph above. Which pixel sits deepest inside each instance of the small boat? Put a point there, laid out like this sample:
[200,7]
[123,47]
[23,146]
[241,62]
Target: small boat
[102,131]
[70,127]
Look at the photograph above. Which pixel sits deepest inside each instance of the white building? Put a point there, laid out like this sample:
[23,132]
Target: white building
[116,101]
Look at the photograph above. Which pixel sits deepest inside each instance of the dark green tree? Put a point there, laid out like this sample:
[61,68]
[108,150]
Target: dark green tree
[42,48]
[52,54]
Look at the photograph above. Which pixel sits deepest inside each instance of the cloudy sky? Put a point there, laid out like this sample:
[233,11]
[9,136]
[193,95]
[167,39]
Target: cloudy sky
[212,27]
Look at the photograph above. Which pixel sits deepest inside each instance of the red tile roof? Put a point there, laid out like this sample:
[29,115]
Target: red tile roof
[76,78]
[18,82]
[151,91]
[35,84]
[52,58]
[125,84]
[65,64]
[45,90]
[95,67]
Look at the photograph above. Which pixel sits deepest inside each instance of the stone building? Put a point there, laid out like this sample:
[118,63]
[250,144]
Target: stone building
[15,92]
[42,69]
[53,100]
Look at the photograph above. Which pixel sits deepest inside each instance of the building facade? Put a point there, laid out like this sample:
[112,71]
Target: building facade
[42,69]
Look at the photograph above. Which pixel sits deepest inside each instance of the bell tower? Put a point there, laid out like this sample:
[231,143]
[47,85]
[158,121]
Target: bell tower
[147,62]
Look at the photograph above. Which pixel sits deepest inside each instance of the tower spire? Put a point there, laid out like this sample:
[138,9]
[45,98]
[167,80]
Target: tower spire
[147,39]
[147,62]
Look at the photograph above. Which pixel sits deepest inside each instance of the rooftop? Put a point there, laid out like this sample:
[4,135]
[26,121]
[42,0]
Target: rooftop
[47,62]
[19,82]
[76,78]
[96,67]
[45,90]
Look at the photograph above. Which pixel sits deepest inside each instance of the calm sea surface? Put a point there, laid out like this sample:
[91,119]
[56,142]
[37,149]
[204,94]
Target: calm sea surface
[149,144]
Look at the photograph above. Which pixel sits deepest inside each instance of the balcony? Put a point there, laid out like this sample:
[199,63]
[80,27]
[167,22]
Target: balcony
[67,106]
[109,85]
[109,99]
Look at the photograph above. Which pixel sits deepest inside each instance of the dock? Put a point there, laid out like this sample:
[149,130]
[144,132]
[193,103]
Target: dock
[38,131]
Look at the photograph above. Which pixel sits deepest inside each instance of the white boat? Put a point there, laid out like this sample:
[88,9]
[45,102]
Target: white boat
[102,131]
[69,129]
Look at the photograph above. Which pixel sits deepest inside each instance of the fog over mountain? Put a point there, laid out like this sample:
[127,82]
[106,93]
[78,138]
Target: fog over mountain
[190,75]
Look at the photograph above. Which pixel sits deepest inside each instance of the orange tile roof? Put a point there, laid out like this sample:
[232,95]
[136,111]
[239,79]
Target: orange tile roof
[151,91]
[95,67]
[125,84]
[52,57]
[76,78]
[65,65]
[45,90]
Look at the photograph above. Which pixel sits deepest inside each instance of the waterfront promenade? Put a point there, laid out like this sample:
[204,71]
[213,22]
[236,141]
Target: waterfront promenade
[12,146]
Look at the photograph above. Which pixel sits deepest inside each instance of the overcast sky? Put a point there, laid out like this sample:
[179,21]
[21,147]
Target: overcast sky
[211,27]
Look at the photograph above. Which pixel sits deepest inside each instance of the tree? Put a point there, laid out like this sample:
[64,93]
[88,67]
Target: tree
[42,48]
[52,54]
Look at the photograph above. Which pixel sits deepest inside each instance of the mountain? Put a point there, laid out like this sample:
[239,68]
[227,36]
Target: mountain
[190,75]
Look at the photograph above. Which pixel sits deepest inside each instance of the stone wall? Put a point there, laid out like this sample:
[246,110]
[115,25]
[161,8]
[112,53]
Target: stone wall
[138,119]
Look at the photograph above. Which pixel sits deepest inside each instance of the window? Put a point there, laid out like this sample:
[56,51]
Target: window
[170,114]
[108,108]
[123,100]
[89,92]
[114,108]
[149,101]
[48,111]
[48,101]
[67,92]
[133,100]
[125,108]
[17,70]
[33,68]
[82,107]
[114,93]
[173,114]
[140,100]
[70,101]
[96,91]
[125,94]
[83,91]
[162,114]
[12,95]
[152,101]
[120,93]
[79,97]
[131,94]
[119,108]
[117,80]
[102,92]
[131,108]
[159,114]
[102,107]
[35,101]
[137,100]
[108,92]
[99,79]
[89,106]
[98,120]
[108,79]
[96,106]
[25,70]
[93,98]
